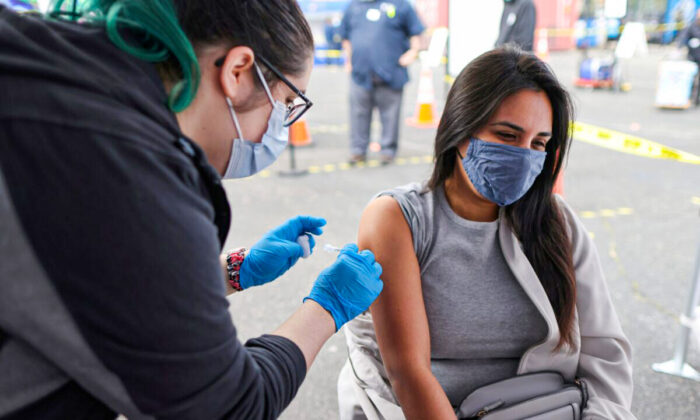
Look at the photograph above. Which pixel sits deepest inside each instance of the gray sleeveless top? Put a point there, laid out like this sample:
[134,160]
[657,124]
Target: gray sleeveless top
[480,319]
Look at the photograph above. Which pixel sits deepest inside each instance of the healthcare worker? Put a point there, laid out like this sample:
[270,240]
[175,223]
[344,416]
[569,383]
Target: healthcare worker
[116,126]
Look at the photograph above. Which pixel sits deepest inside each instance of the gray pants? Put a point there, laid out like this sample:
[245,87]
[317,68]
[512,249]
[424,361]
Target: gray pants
[362,103]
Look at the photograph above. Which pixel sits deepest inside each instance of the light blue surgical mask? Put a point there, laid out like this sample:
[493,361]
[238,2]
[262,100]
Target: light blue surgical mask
[247,157]
[502,173]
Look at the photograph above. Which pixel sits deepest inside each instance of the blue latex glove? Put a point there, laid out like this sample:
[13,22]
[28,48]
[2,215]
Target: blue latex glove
[349,286]
[278,250]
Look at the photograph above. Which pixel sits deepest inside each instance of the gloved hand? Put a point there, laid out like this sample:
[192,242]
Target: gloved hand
[278,250]
[349,286]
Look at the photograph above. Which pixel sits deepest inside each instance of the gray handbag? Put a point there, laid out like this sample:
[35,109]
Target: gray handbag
[535,396]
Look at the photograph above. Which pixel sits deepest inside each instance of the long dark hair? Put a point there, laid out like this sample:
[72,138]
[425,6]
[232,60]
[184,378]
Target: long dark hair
[171,31]
[476,94]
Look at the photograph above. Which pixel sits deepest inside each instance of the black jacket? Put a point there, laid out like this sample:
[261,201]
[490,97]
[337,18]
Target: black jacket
[690,37]
[518,24]
[126,219]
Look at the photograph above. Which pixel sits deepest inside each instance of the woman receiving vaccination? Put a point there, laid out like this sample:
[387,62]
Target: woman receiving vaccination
[488,275]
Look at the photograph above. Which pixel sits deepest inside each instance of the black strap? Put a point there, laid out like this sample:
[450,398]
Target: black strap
[3,338]
[583,386]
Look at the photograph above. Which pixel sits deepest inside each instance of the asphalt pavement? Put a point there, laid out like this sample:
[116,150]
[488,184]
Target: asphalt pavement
[643,213]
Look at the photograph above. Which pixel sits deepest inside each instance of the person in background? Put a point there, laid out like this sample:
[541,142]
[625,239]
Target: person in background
[518,24]
[488,274]
[380,39]
[690,37]
[115,132]
[331,30]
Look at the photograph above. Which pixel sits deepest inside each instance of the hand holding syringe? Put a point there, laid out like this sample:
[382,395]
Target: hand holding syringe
[349,285]
[345,289]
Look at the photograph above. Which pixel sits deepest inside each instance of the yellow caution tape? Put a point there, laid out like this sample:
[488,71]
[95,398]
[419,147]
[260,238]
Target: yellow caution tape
[606,213]
[626,143]
[329,53]
[344,166]
[588,133]
[580,32]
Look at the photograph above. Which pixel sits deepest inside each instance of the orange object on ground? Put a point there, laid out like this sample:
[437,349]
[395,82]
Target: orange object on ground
[542,44]
[299,134]
[596,84]
[425,114]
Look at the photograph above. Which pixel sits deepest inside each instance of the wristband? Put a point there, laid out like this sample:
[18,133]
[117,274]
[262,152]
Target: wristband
[234,260]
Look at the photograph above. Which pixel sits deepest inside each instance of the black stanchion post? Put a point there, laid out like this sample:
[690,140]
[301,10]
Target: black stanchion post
[293,171]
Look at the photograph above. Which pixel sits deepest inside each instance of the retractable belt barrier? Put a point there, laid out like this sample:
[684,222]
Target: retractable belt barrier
[688,320]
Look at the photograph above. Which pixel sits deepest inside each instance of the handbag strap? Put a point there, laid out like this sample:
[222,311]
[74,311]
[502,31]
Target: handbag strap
[583,386]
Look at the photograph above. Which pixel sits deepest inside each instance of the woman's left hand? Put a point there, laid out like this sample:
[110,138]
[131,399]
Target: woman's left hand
[278,250]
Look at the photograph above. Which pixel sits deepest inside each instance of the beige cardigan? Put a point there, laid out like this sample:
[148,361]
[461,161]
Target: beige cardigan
[601,356]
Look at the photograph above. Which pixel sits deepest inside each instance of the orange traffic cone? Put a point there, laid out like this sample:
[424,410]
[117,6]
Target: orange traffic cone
[424,115]
[299,135]
[542,44]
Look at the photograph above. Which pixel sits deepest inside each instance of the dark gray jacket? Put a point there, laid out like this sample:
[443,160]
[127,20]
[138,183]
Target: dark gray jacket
[111,223]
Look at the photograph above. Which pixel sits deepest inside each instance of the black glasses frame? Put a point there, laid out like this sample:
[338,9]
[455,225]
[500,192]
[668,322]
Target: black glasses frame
[307,102]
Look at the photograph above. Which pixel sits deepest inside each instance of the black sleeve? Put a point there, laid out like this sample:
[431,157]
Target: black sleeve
[124,230]
[683,36]
[524,30]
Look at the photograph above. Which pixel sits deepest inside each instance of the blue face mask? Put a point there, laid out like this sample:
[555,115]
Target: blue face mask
[247,157]
[502,173]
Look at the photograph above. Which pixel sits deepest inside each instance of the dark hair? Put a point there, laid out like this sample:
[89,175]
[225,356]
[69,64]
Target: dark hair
[275,29]
[475,96]
[172,30]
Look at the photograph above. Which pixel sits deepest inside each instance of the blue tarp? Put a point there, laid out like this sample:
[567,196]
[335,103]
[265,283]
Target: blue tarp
[675,9]
[310,7]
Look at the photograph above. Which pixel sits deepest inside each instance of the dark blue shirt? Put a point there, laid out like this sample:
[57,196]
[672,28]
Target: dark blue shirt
[379,32]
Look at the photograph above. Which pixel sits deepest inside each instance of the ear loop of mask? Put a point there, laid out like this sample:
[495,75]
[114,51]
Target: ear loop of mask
[459,152]
[234,118]
[230,104]
[264,83]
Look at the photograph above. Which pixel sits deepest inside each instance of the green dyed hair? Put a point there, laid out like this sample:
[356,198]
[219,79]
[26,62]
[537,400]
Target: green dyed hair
[163,37]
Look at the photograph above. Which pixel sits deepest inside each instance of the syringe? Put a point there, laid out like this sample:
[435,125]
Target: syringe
[331,248]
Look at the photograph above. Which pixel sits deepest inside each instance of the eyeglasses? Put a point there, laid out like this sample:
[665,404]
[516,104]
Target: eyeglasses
[299,105]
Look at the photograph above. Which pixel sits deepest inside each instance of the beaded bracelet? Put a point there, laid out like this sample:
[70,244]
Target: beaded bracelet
[234,260]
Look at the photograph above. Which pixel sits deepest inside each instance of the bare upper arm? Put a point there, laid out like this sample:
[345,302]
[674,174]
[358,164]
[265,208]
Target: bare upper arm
[399,314]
